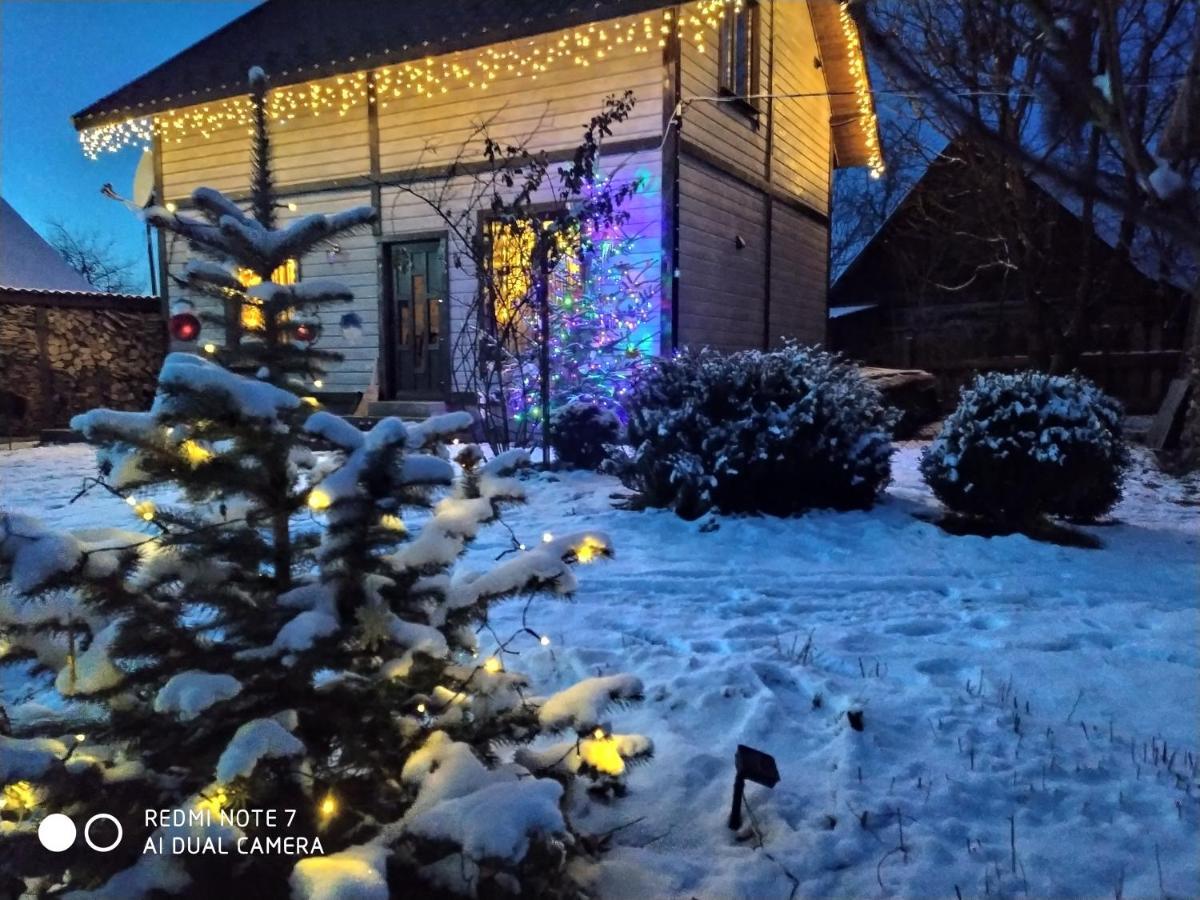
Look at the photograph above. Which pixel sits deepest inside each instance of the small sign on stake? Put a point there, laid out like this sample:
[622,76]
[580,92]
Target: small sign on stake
[755,765]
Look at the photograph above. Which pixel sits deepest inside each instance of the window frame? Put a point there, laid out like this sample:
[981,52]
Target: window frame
[728,72]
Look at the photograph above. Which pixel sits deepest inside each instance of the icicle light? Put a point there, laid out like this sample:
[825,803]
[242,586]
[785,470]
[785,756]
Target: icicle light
[427,78]
[862,90]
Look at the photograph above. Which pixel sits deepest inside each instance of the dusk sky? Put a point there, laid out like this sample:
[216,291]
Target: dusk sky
[55,59]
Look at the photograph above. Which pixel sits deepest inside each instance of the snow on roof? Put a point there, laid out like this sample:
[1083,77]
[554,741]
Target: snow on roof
[837,312]
[28,262]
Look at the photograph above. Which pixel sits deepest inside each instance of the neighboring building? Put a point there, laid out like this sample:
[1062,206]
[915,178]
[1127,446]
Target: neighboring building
[64,346]
[933,289]
[368,95]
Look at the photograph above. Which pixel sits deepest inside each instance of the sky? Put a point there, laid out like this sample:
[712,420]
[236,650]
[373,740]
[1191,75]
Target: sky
[57,57]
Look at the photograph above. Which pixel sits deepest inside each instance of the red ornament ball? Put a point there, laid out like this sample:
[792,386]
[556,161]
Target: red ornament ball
[184,326]
[306,332]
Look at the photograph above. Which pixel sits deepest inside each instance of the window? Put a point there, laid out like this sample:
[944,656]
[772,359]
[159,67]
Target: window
[737,58]
[513,245]
[252,315]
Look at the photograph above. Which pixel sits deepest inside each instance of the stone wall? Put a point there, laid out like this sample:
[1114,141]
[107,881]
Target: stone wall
[61,354]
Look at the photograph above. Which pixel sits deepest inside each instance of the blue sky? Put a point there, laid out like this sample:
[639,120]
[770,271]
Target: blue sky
[56,58]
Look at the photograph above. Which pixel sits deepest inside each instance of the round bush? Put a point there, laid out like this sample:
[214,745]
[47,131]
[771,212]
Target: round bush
[1025,445]
[579,433]
[775,432]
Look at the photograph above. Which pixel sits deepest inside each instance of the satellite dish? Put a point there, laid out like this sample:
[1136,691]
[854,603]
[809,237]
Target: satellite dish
[143,179]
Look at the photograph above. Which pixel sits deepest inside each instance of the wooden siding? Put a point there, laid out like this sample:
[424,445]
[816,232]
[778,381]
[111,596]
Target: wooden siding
[548,112]
[723,129]
[799,276]
[309,148]
[801,138]
[721,288]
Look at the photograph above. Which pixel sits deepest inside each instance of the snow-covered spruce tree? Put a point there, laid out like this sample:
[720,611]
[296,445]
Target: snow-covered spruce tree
[1024,445]
[775,432]
[581,431]
[280,640]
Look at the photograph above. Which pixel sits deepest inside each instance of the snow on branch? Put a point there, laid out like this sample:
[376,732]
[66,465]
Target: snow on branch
[582,705]
[255,740]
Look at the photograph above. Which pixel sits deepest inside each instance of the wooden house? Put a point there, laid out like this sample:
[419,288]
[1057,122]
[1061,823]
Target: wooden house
[743,109]
[947,286]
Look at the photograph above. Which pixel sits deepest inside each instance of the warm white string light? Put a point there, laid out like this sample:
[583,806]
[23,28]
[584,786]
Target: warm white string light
[427,78]
[862,90]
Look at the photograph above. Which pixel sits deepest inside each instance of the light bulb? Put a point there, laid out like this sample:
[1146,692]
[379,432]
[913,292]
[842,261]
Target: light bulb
[210,348]
[492,665]
[544,640]
[547,537]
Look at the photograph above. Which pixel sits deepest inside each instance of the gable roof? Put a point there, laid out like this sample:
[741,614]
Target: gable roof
[298,41]
[27,262]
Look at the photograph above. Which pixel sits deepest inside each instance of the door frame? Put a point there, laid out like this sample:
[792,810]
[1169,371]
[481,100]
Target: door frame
[389,369]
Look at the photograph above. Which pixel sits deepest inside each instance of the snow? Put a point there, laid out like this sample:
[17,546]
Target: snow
[255,740]
[766,632]
[358,873]
[28,759]
[582,705]
[529,807]
[300,633]
[189,693]
[28,261]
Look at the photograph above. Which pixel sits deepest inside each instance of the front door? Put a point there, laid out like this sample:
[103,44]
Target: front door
[418,326]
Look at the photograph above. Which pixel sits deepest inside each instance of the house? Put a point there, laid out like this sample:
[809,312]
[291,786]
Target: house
[743,109]
[940,287]
[64,346]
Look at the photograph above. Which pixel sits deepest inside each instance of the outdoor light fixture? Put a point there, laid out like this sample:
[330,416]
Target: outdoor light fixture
[750,764]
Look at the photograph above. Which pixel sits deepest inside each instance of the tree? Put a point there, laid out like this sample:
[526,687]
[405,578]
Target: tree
[996,80]
[545,214]
[1116,84]
[95,258]
[283,641]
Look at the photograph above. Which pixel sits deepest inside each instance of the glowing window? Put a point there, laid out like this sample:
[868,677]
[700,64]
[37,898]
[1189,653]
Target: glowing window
[252,315]
[512,273]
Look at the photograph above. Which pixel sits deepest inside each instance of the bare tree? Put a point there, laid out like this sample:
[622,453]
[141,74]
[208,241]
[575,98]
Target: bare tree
[94,257]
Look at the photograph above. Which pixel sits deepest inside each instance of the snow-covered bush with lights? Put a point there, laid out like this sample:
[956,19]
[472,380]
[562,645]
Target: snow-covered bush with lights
[273,636]
[1024,445]
[774,432]
[580,432]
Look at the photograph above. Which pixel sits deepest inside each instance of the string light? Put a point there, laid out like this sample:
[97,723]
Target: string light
[492,665]
[426,78]
[195,453]
[319,499]
[590,549]
[145,510]
[862,91]
[544,640]
[392,522]
[210,349]
[328,807]
[547,537]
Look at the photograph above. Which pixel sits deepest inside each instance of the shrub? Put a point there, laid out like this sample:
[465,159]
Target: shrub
[775,432]
[1025,445]
[580,431]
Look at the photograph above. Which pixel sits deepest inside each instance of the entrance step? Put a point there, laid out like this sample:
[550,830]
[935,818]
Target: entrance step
[405,409]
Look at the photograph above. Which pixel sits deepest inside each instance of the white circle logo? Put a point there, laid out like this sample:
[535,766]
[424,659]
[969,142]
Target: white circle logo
[56,832]
[87,832]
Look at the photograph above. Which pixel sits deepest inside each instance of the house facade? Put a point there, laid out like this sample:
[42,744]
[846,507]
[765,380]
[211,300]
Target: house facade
[743,109]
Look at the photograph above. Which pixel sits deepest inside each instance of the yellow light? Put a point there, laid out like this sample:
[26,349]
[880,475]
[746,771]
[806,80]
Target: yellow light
[421,708]
[171,207]
[292,206]
[311,401]
[599,734]
[603,755]
[210,348]
[20,795]
[145,509]
[319,499]
[589,549]
[392,522]
[318,384]
[196,454]
[81,738]
[328,806]
[492,665]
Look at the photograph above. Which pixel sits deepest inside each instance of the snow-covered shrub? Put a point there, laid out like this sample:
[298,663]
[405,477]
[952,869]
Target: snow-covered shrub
[775,432]
[1026,444]
[579,433]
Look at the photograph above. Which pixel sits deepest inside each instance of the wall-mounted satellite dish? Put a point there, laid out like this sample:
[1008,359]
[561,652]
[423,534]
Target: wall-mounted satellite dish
[143,179]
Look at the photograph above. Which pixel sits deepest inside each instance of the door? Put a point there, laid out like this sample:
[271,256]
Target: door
[418,341]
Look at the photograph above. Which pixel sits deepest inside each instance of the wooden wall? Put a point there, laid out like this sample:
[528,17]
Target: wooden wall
[322,163]
[763,177]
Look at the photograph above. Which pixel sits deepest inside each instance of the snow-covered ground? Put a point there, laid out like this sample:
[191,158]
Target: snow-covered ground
[1016,696]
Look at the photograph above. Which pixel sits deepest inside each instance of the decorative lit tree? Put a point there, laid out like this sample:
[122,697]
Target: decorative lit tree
[282,642]
[602,303]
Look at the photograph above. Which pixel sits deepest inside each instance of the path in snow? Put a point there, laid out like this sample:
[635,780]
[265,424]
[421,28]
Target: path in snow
[1085,657]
